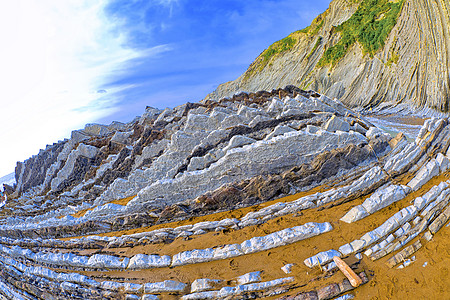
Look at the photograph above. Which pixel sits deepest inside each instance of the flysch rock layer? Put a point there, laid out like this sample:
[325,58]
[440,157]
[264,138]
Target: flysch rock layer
[193,149]
[408,74]
[203,171]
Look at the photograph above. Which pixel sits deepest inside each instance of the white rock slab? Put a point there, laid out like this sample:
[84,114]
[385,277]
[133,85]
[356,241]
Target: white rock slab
[321,258]
[102,261]
[424,175]
[142,261]
[165,286]
[204,284]
[249,277]
[384,196]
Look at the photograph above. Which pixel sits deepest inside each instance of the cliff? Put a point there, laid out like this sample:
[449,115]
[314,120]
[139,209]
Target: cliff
[152,154]
[245,197]
[370,53]
[255,195]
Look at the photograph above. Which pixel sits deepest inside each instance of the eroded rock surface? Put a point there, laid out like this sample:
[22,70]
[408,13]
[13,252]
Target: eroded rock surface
[214,200]
[394,79]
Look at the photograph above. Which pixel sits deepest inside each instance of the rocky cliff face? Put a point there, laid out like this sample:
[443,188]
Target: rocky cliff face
[222,199]
[398,54]
[166,157]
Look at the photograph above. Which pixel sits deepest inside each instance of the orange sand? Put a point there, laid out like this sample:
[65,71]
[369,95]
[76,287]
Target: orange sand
[414,281]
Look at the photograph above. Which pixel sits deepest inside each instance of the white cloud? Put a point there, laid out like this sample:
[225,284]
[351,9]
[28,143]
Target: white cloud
[170,4]
[55,55]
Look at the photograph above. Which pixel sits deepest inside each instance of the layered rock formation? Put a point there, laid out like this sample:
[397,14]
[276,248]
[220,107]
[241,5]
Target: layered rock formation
[220,200]
[363,61]
[247,146]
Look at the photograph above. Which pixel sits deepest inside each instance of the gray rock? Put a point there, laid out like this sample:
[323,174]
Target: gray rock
[207,225]
[401,160]
[284,237]
[357,245]
[279,130]
[199,163]
[258,119]
[193,257]
[425,173]
[121,137]
[164,115]
[335,123]
[287,268]
[275,106]
[375,132]
[149,297]
[384,196]
[443,162]
[292,112]
[258,158]
[346,249]
[183,142]
[185,234]
[248,112]
[81,151]
[238,141]
[151,151]
[149,114]
[312,129]
[197,122]
[96,129]
[232,121]
[358,128]
[356,213]
[78,136]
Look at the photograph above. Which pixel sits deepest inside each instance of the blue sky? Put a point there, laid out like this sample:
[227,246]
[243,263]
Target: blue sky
[72,62]
[201,43]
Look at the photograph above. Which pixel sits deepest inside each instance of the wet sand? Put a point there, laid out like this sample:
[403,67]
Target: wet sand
[415,281]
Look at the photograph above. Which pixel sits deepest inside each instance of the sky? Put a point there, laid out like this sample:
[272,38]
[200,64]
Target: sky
[66,63]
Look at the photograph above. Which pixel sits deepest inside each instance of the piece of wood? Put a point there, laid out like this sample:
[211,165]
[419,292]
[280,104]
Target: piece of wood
[354,279]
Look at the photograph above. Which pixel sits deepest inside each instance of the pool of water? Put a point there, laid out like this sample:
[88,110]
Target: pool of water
[394,124]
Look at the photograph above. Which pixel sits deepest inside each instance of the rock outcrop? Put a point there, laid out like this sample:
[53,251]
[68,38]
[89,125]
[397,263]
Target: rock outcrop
[220,199]
[390,56]
[254,146]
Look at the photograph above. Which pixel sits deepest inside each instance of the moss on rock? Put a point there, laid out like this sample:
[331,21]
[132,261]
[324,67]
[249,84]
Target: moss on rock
[370,26]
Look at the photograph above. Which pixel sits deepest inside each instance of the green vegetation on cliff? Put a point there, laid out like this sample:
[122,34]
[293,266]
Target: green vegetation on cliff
[315,26]
[278,47]
[286,44]
[282,45]
[316,45]
[370,25]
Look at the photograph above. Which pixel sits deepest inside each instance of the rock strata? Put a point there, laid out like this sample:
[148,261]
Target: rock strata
[191,202]
[395,78]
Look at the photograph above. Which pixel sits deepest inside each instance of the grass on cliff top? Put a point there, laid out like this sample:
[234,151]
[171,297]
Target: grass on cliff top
[285,44]
[278,47]
[370,25]
[282,45]
[315,26]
